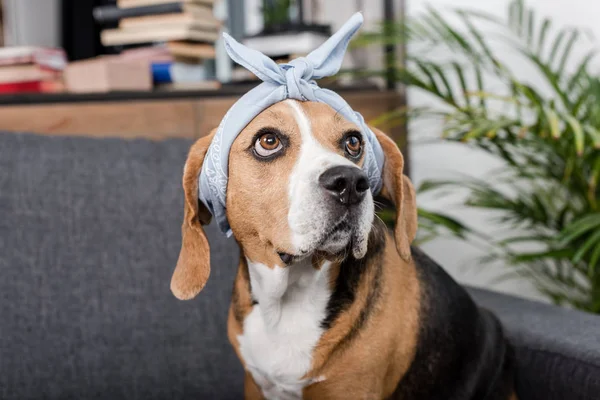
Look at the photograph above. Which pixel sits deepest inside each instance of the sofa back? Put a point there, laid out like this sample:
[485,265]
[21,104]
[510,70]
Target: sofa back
[89,237]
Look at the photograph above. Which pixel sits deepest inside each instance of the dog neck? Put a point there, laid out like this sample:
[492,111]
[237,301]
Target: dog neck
[289,289]
[270,287]
[283,325]
[286,312]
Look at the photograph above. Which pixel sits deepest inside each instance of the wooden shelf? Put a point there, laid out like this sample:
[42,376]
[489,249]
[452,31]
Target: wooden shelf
[155,115]
[227,90]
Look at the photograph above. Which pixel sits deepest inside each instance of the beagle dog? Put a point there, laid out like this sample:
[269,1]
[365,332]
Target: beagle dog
[327,303]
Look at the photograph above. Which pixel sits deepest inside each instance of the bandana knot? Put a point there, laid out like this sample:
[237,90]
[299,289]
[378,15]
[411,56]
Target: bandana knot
[298,74]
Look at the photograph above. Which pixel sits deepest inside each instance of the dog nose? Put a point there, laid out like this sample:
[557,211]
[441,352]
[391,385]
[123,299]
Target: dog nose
[346,184]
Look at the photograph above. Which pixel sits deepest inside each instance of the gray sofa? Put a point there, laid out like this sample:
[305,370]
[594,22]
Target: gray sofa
[89,236]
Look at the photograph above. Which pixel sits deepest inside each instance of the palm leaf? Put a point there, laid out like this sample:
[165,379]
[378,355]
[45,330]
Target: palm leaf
[454,226]
[550,254]
[577,132]
[553,122]
[567,51]
[594,135]
[579,228]
[594,260]
[463,82]
[592,241]
[542,36]
[560,37]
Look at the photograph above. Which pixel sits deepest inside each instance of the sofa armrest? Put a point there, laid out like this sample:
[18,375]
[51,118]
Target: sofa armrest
[557,350]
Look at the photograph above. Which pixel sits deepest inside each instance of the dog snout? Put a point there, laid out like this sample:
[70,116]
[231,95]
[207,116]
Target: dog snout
[346,184]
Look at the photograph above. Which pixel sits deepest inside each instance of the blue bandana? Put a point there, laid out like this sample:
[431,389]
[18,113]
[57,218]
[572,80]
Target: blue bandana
[295,80]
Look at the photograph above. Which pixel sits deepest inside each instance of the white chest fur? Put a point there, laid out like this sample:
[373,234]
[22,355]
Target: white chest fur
[283,328]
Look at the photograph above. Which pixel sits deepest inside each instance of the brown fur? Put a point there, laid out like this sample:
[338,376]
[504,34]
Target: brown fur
[399,189]
[193,265]
[327,125]
[261,231]
[251,389]
[384,347]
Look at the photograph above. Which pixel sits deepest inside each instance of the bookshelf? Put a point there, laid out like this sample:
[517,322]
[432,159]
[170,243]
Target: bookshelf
[155,114]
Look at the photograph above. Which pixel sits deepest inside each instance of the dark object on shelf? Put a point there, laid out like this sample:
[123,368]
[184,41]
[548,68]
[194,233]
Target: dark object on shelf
[277,19]
[114,50]
[291,28]
[111,14]
[276,12]
[80,35]
[1,24]
[285,32]
[390,49]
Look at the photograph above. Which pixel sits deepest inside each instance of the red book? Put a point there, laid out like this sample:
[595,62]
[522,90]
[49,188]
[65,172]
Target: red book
[31,87]
[21,87]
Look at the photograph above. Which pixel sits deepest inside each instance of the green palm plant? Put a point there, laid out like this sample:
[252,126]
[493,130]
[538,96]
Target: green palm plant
[548,137]
[276,12]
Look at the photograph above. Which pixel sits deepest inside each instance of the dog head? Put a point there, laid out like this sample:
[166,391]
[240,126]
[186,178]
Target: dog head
[296,188]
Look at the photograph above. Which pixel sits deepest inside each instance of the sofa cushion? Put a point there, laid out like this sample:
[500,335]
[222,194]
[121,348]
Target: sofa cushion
[557,350]
[89,237]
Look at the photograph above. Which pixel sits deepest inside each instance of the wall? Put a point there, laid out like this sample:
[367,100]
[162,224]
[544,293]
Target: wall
[32,22]
[448,160]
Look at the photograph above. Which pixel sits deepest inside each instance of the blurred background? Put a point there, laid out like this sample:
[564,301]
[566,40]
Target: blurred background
[493,103]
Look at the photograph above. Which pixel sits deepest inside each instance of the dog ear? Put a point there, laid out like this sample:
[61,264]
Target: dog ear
[193,265]
[398,189]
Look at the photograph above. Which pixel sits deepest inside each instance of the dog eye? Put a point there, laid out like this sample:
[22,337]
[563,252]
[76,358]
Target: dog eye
[353,145]
[267,145]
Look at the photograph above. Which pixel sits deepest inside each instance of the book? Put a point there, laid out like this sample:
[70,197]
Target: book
[140,3]
[202,85]
[108,73]
[52,86]
[286,43]
[49,58]
[25,73]
[150,54]
[111,14]
[153,21]
[177,72]
[192,50]
[121,48]
[113,37]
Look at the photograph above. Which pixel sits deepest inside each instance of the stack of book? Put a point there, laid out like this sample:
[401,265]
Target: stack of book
[186,28]
[147,21]
[31,69]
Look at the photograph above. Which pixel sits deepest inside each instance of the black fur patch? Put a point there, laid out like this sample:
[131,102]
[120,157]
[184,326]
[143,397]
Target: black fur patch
[238,312]
[461,350]
[237,308]
[349,277]
[372,298]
